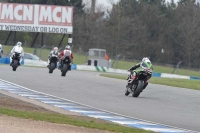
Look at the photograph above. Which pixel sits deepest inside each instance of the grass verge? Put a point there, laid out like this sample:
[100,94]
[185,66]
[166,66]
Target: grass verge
[71,120]
[183,83]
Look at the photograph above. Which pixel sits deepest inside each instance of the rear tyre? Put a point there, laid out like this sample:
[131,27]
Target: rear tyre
[138,89]
[64,69]
[52,66]
[14,65]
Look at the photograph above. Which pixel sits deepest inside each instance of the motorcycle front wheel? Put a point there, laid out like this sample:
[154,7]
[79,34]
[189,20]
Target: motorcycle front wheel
[14,65]
[139,88]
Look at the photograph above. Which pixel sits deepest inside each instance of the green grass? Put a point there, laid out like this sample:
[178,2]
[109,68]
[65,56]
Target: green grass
[159,69]
[79,59]
[183,83]
[63,119]
[82,59]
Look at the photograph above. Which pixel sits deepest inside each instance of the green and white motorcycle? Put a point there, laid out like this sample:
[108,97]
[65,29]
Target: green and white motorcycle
[138,84]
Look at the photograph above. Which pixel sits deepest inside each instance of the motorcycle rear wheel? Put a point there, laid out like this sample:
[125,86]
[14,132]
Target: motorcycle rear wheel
[52,67]
[139,88]
[64,70]
[14,65]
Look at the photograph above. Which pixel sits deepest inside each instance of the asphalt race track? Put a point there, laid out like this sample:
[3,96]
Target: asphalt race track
[177,107]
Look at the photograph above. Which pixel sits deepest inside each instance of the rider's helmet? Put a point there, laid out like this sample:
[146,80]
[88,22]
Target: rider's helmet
[55,49]
[19,44]
[67,47]
[0,46]
[146,59]
[146,63]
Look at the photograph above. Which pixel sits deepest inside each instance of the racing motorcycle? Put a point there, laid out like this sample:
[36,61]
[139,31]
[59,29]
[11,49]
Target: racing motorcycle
[53,62]
[65,64]
[1,53]
[15,60]
[142,75]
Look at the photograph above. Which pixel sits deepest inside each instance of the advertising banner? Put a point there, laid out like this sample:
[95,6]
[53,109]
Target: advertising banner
[36,18]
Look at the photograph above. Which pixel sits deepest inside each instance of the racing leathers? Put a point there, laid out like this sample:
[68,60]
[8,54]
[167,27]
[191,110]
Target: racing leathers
[132,76]
[61,55]
[17,49]
[52,52]
[1,51]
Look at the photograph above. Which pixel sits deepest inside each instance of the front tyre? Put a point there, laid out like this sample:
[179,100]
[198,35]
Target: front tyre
[52,67]
[139,88]
[14,65]
[64,69]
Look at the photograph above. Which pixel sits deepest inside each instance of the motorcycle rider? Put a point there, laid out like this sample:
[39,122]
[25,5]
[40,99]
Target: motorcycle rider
[133,74]
[17,49]
[61,55]
[55,52]
[1,50]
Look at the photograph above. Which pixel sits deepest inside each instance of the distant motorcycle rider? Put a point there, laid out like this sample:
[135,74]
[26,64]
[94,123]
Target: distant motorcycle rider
[17,49]
[1,50]
[61,55]
[55,52]
[133,74]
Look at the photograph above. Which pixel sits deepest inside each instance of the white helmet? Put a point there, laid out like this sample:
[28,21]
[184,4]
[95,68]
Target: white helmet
[146,59]
[55,49]
[67,47]
[19,43]
[0,45]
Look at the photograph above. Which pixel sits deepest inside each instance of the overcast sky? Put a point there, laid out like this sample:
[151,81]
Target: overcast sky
[106,3]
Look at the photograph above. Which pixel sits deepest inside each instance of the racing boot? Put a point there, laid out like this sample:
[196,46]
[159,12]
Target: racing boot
[11,63]
[131,80]
[59,66]
[70,67]
[128,87]
[48,62]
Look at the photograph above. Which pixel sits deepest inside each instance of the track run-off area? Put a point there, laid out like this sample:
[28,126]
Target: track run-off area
[171,106]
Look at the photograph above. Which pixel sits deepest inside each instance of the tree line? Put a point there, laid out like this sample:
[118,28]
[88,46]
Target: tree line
[167,32]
